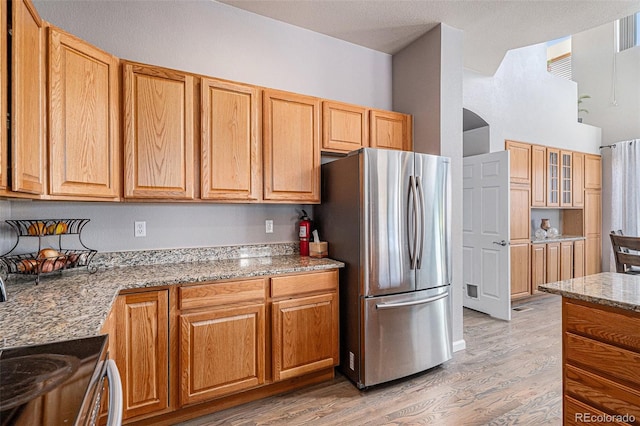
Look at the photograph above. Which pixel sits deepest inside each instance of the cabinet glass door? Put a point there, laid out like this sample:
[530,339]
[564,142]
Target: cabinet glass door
[566,180]
[553,180]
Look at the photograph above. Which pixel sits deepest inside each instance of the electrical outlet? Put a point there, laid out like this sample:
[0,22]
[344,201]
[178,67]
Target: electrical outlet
[140,229]
[268,226]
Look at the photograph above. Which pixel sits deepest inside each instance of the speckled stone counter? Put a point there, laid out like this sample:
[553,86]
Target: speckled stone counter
[557,239]
[76,304]
[607,288]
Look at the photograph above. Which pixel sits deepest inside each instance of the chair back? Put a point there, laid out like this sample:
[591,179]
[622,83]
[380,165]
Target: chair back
[627,253]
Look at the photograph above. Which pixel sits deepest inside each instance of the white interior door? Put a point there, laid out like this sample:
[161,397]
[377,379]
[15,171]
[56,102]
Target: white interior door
[486,234]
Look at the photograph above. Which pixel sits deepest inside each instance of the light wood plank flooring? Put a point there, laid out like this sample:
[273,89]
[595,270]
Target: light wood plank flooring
[509,374]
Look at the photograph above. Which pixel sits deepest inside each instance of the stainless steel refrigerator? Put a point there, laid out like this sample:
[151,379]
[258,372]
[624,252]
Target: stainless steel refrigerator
[386,215]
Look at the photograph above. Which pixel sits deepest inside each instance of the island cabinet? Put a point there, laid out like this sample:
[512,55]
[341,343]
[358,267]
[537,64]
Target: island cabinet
[28,94]
[84,142]
[194,348]
[391,130]
[159,132]
[291,147]
[4,99]
[231,168]
[601,355]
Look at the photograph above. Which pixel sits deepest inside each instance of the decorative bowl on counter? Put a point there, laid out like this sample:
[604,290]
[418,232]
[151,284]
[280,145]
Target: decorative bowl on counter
[540,234]
[552,232]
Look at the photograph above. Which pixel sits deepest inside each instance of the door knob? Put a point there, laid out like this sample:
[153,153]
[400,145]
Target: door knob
[500,243]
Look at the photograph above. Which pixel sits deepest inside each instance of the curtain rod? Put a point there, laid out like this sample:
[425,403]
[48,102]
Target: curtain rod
[613,145]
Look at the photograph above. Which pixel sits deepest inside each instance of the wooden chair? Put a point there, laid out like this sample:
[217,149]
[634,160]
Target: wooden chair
[627,253]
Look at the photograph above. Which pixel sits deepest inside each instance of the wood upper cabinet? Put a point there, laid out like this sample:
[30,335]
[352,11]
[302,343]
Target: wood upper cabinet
[391,130]
[566,176]
[291,147]
[159,137]
[578,179]
[553,177]
[304,300]
[520,213]
[222,338]
[538,176]
[142,337]
[592,171]
[231,150]
[520,161]
[84,143]
[28,93]
[4,99]
[345,127]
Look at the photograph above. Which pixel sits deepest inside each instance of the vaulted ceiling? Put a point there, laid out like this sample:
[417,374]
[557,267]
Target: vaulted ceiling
[491,28]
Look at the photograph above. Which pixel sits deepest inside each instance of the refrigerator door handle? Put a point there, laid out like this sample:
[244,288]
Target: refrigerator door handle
[411,302]
[412,224]
[421,213]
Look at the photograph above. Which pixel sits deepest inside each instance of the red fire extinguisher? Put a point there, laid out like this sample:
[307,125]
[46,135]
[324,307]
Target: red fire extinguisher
[304,234]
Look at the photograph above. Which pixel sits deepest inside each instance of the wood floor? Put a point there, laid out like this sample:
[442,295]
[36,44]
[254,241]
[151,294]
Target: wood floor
[510,373]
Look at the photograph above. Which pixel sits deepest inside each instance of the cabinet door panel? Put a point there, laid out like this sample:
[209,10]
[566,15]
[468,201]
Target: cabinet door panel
[520,228]
[222,352]
[538,176]
[578,179]
[520,161]
[27,97]
[578,259]
[159,133]
[391,130]
[305,335]
[566,260]
[593,255]
[538,266]
[553,177]
[344,127]
[142,351]
[291,147]
[566,179]
[553,262]
[84,154]
[231,167]
[592,171]
[520,270]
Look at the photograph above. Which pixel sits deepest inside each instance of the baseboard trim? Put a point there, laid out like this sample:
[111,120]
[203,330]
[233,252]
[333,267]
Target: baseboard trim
[459,345]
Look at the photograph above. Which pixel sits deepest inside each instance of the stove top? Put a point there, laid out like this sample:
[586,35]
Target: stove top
[55,381]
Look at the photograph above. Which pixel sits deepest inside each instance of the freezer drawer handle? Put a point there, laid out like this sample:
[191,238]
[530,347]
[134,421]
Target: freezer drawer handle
[411,302]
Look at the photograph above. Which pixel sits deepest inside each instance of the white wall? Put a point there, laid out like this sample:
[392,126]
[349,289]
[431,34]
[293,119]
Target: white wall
[427,82]
[221,41]
[523,102]
[476,141]
[593,55]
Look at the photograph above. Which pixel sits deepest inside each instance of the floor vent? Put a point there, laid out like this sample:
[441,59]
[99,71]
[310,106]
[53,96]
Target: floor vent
[522,308]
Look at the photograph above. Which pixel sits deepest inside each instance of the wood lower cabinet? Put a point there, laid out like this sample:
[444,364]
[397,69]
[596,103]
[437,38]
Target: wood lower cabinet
[142,351]
[159,132]
[578,259]
[298,350]
[198,348]
[231,166]
[566,260]
[592,229]
[345,127]
[538,266]
[222,338]
[28,94]
[520,270]
[291,147]
[84,142]
[391,130]
[601,353]
[520,225]
[553,262]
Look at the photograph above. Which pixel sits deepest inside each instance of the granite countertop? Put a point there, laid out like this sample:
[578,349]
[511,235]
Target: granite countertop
[558,239]
[75,304]
[607,288]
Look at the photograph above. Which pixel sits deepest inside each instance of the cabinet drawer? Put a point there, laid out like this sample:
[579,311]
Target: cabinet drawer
[578,413]
[222,293]
[292,285]
[610,361]
[604,325]
[601,392]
